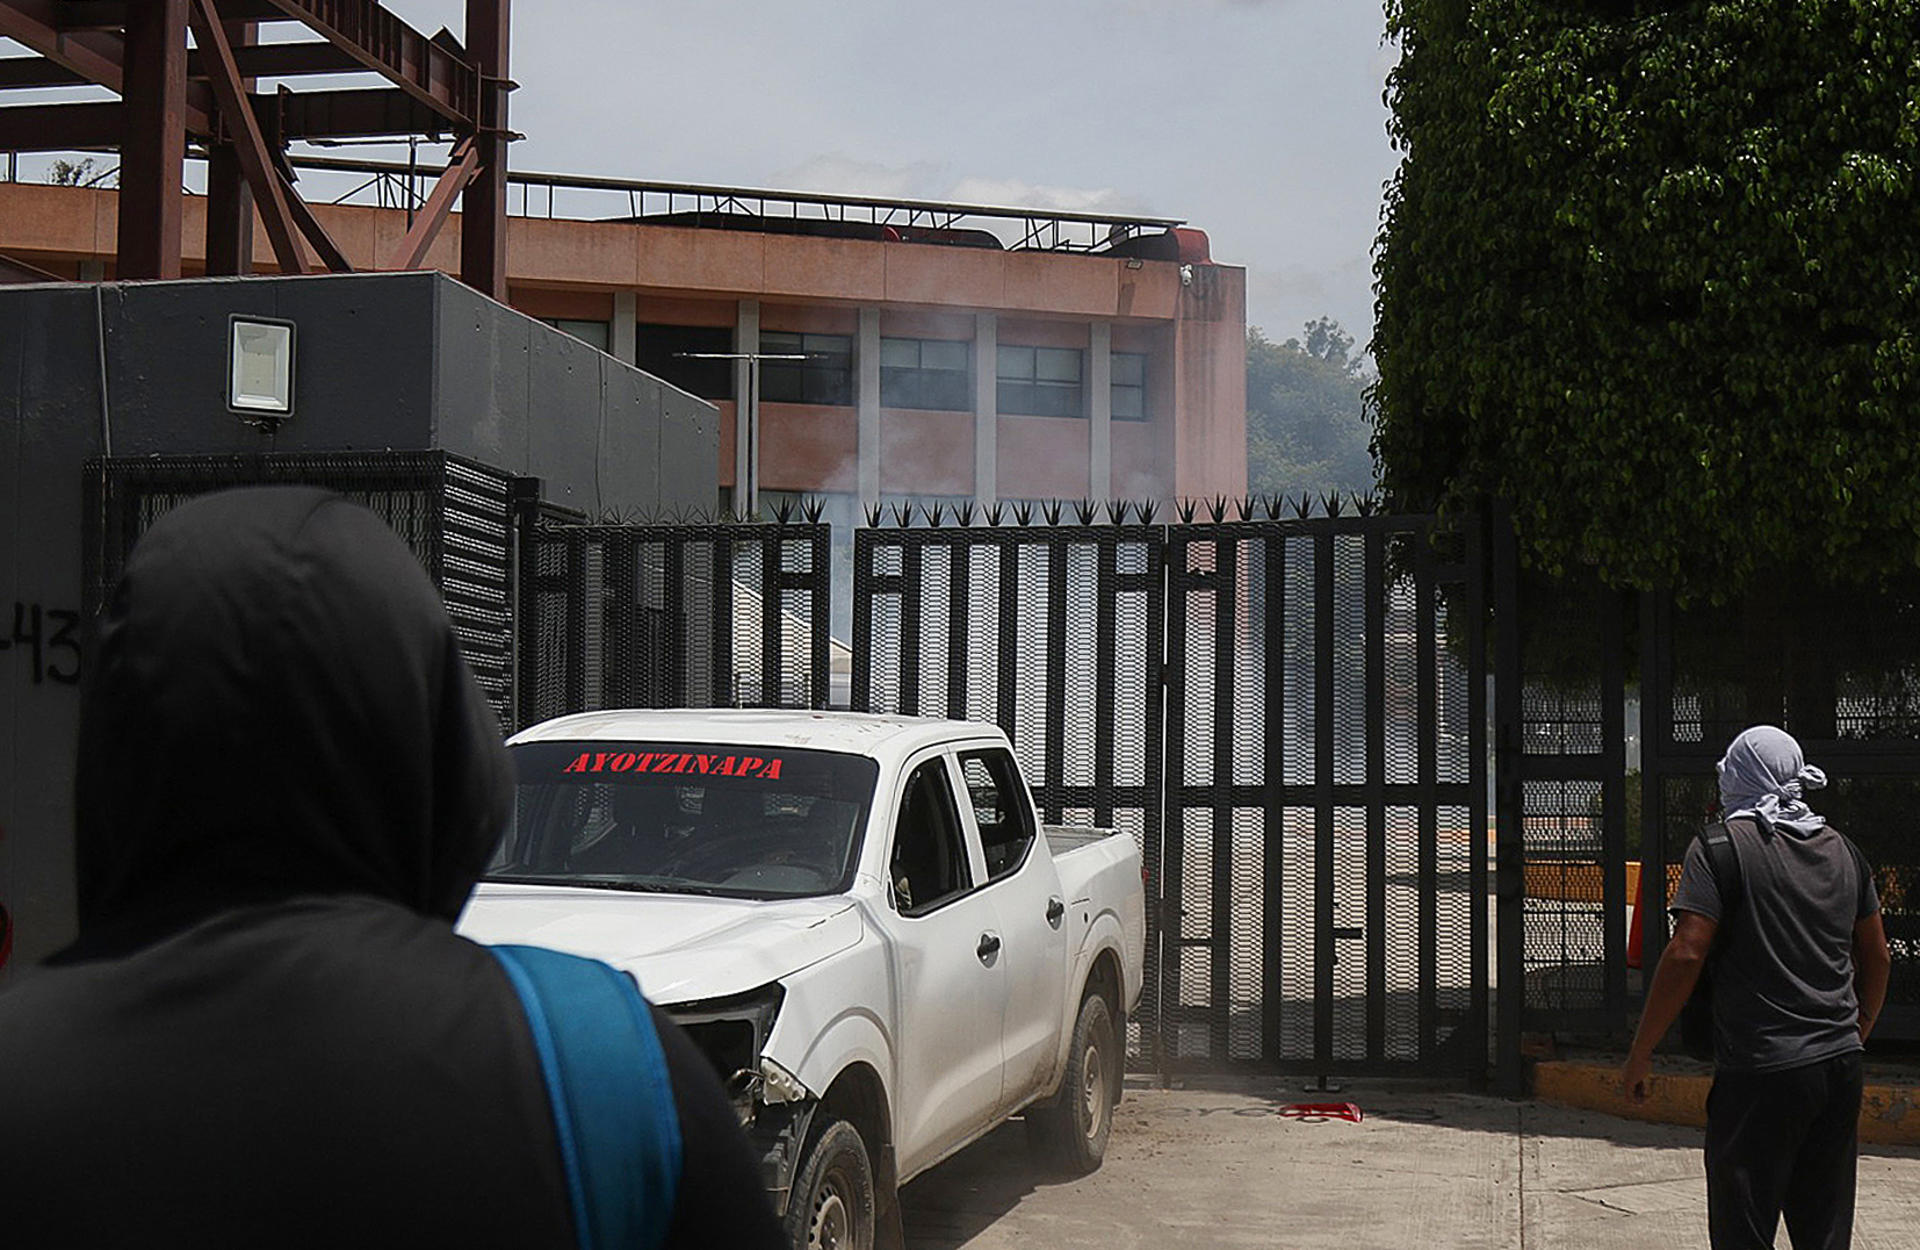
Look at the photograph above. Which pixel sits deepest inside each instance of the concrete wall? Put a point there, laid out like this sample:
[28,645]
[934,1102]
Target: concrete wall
[601,436]
[1190,320]
[404,361]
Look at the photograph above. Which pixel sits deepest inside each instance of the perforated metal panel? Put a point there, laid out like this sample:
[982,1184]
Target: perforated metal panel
[456,515]
[1563,766]
[1326,784]
[1295,925]
[1840,671]
[1052,633]
[720,615]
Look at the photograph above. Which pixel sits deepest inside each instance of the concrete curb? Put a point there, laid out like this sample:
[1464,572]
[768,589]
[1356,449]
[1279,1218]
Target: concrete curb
[1889,1110]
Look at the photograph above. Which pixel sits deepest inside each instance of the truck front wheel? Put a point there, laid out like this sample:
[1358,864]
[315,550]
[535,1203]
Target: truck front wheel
[1069,1131]
[832,1203]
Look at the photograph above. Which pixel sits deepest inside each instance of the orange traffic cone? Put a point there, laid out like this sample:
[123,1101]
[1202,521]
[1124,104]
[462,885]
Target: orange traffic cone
[1633,930]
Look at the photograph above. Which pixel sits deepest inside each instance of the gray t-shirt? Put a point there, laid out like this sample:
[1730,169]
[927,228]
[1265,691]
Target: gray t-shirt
[1783,971]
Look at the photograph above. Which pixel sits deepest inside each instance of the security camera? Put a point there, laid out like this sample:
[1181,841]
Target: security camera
[1186,275]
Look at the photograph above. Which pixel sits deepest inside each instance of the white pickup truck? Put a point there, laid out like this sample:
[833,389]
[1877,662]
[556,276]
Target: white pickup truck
[858,918]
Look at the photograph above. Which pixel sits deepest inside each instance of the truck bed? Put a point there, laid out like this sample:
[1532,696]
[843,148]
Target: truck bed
[1063,839]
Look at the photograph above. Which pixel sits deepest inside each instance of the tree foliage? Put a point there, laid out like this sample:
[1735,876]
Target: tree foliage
[66,173]
[1306,426]
[1651,270]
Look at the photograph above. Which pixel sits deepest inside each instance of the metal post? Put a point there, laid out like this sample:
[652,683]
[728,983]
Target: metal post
[153,144]
[746,427]
[483,235]
[1509,809]
[750,489]
[1479,1008]
[229,197]
[1323,806]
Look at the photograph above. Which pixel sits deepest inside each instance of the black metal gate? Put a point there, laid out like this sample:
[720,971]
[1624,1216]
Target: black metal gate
[1604,780]
[1051,632]
[715,615]
[456,515]
[1561,723]
[1325,852]
[1842,674]
[1286,714]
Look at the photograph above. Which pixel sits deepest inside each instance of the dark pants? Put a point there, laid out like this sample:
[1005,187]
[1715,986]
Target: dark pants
[1783,1143]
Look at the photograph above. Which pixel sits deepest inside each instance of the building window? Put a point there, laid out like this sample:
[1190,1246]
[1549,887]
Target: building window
[1129,386]
[658,350]
[926,373]
[1041,381]
[824,377]
[594,333]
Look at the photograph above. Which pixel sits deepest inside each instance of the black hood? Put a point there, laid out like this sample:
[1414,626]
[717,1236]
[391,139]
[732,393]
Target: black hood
[277,706]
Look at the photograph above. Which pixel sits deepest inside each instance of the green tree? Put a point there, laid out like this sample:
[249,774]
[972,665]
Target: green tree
[1306,424]
[1650,269]
[66,173]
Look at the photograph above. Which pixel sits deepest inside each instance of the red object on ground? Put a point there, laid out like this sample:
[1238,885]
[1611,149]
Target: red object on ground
[1319,1111]
[1633,930]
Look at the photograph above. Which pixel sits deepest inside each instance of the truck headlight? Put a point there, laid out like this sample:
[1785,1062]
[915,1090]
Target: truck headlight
[731,1032]
[779,1085]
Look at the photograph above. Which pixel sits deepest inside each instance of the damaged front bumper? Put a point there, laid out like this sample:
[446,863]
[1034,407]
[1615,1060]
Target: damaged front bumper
[774,1107]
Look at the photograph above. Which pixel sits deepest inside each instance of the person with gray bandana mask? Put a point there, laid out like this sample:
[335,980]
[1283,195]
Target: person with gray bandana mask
[1799,977]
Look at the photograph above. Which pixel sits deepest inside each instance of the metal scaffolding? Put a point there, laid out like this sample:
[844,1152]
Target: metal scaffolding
[206,97]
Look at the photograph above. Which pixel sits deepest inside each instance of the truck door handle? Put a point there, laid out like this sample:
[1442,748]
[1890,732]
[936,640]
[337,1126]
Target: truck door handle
[988,948]
[1055,910]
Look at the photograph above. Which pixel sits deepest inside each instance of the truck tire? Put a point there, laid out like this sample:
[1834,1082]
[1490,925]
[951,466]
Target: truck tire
[1069,1131]
[832,1203]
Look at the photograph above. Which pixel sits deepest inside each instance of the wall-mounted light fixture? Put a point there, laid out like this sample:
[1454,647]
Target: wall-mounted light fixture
[260,369]
[1133,262]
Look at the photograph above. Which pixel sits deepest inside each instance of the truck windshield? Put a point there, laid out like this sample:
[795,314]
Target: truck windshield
[685,818]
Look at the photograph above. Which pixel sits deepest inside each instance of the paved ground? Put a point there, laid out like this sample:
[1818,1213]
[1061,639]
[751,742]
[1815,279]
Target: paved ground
[1426,1168]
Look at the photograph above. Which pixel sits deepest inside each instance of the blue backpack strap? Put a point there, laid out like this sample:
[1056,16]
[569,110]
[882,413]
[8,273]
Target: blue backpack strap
[613,1109]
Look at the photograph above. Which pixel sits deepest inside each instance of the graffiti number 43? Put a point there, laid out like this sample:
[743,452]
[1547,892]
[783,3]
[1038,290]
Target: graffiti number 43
[49,640]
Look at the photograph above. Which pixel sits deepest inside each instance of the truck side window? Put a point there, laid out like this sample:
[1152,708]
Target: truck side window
[1000,809]
[929,855]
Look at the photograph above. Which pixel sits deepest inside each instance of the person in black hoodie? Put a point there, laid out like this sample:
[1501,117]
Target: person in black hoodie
[267,1032]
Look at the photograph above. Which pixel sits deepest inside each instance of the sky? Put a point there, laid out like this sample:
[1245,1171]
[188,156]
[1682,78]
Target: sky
[1258,121]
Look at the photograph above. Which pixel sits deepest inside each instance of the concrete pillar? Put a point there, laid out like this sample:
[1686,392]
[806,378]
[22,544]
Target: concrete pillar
[623,337]
[746,338]
[866,398]
[1100,409]
[986,408]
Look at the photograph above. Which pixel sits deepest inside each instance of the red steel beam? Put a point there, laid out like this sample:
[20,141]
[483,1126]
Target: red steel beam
[483,213]
[229,197]
[381,42]
[93,15]
[60,127]
[349,114]
[330,254]
[462,163]
[97,57]
[153,142]
[250,146]
[35,71]
[280,60]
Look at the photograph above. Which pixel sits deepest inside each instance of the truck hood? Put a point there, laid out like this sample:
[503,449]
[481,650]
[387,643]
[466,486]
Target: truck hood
[680,948]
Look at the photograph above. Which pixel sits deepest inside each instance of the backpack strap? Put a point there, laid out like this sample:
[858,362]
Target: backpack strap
[1724,860]
[613,1108]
